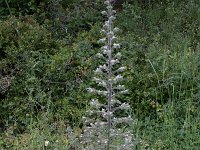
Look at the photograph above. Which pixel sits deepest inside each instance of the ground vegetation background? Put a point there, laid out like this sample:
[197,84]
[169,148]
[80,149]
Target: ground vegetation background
[47,58]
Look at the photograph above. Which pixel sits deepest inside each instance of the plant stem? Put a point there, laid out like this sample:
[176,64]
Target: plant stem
[109,75]
[8,7]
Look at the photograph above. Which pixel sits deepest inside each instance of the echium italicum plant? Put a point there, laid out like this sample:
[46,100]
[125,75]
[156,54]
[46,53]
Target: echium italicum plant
[107,120]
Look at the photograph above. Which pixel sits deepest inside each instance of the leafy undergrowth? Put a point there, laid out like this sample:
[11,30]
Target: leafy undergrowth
[168,131]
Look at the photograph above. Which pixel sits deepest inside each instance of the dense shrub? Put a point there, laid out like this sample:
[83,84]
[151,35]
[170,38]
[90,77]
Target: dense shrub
[44,75]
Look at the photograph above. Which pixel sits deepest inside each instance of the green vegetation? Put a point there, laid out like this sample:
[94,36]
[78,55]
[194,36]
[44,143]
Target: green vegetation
[47,55]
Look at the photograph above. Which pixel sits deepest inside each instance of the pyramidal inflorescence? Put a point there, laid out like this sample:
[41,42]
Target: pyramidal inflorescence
[107,120]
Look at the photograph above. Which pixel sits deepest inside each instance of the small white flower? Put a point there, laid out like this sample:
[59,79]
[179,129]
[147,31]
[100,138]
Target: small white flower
[98,70]
[128,139]
[104,67]
[107,52]
[124,92]
[105,141]
[112,18]
[113,38]
[125,106]
[110,113]
[104,47]
[102,40]
[93,102]
[97,80]
[102,123]
[114,11]
[118,77]
[102,92]
[120,87]
[102,84]
[118,55]
[107,23]
[109,7]
[110,33]
[46,143]
[104,13]
[115,101]
[115,45]
[105,27]
[106,3]
[103,31]
[121,69]
[114,61]
[116,29]
[99,55]
[91,90]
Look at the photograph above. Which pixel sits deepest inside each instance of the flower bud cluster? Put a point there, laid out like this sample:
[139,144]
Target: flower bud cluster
[102,122]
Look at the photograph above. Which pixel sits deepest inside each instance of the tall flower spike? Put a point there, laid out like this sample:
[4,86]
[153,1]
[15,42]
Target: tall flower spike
[102,120]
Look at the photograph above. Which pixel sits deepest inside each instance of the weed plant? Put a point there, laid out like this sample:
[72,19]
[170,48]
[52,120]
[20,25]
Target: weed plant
[105,127]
